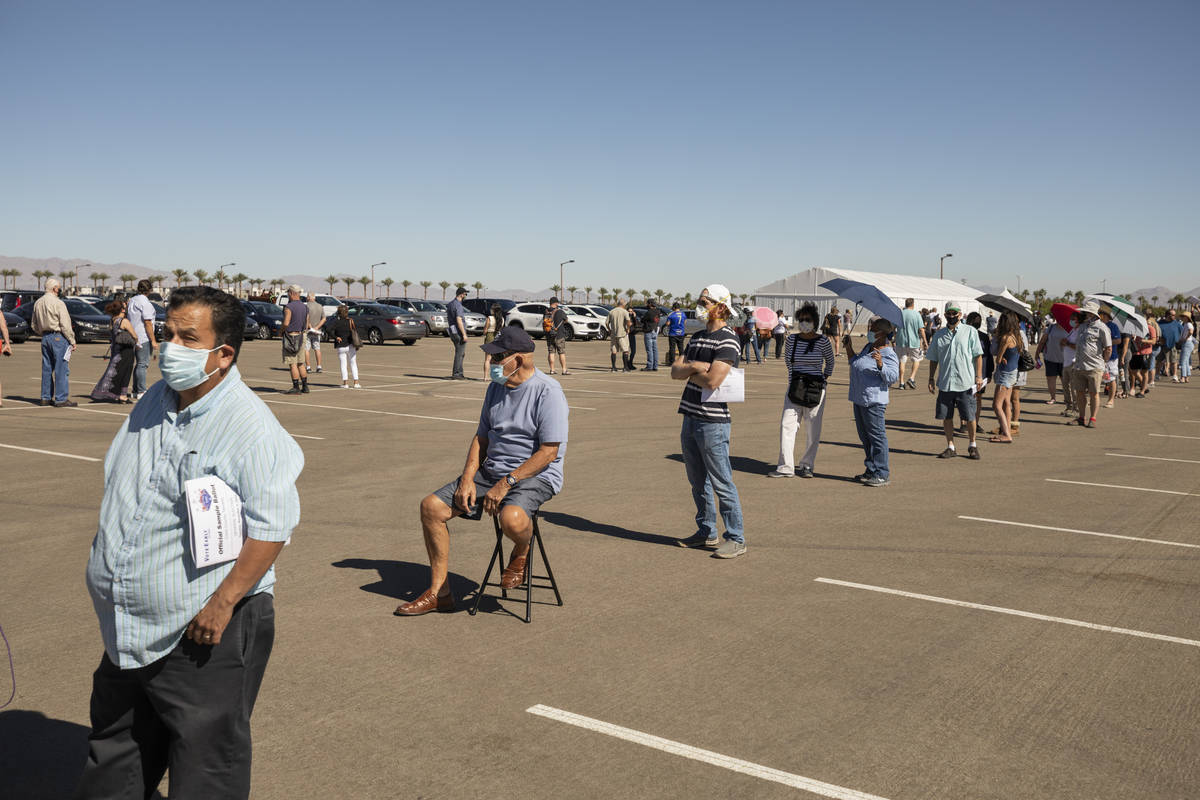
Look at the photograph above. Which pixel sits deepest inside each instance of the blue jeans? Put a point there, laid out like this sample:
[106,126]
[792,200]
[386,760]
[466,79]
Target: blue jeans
[1185,358]
[752,345]
[55,368]
[873,435]
[144,351]
[651,340]
[706,457]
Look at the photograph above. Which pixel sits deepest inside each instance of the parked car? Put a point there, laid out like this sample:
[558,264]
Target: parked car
[378,323]
[483,305]
[18,328]
[328,302]
[252,328]
[90,325]
[595,313]
[431,313]
[268,316]
[529,316]
[13,298]
[473,322]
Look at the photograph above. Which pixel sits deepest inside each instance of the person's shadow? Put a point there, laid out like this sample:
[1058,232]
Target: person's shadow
[588,526]
[752,466]
[404,581]
[40,756]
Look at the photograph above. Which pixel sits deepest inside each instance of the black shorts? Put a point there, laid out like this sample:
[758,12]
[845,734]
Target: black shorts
[947,402]
[1139,362]
[528,495]
[1053,368]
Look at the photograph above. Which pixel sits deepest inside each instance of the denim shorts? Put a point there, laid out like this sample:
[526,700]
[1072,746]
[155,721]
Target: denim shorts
[947,402]
[528,495]
[1005,378]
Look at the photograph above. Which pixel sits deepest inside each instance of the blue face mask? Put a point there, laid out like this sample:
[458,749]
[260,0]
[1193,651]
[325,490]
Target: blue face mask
[183,367]
[496,373]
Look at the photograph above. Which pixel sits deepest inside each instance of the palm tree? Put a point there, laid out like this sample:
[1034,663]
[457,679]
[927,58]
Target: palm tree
[201,276]
[587,297]
[406,283]
[331,280]
[37,278]
[127,278]
[179,274]
[387,284]
[95,278]
[555,289]
[66,275]
[238,280]
[365,281]
[445,285]
[478,287]
[349,282]
[425,285]
[572,290]
[603,294]
[222,278]
[1154,301]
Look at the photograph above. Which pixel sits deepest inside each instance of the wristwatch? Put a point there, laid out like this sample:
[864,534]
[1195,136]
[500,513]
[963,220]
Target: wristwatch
[510,480]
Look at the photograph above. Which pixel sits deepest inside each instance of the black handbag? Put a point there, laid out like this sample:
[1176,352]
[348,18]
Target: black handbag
[1025,362]
[806,390]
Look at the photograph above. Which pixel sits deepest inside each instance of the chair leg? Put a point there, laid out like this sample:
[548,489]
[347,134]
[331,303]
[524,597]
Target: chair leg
[546,562]
[497,556]
[529,582]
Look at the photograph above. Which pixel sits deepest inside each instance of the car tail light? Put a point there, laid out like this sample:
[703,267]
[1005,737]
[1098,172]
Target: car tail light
[394,321]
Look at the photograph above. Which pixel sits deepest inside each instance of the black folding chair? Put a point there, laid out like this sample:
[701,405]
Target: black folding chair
[528,584]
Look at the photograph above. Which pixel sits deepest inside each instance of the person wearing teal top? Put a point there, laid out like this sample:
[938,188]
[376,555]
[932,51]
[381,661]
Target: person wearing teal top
[955,372]
[910,343]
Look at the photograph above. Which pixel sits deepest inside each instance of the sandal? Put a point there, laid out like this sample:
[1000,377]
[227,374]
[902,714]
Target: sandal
[1000,440]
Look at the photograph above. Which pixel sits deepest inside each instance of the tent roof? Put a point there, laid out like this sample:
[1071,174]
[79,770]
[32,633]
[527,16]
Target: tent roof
[806,283]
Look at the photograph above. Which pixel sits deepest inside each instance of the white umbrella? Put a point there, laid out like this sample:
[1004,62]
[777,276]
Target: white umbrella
[1015,299]
[1127,317]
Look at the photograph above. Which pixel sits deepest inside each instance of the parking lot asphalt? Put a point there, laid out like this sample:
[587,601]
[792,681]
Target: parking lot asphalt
[973,630]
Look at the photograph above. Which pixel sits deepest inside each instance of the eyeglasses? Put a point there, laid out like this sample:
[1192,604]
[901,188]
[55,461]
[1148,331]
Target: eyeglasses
[502,357]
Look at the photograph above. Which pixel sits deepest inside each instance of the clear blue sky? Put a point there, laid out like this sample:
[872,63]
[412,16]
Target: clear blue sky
[660,145]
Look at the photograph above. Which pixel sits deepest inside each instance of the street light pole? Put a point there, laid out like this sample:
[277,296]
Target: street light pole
[373,266]
[77,268]
[561,287]
[941,264]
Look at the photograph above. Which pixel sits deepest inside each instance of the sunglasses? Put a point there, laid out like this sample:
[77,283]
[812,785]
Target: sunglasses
[499,358]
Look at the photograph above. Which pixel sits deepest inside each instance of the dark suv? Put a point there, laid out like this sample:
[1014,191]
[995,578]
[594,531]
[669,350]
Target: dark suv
[14,297]
[483,305]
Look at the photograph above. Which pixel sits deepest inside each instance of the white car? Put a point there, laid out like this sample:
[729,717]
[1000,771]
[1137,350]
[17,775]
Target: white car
[529,316]
[328,302]
[595,312]
[474,323]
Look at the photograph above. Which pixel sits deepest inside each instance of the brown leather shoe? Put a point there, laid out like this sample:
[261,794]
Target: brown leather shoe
[514,573]
[428,601]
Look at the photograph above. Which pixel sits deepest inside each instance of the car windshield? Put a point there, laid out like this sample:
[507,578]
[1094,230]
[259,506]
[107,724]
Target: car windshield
[421,305]
[582,311]
[267,308]
[77,306]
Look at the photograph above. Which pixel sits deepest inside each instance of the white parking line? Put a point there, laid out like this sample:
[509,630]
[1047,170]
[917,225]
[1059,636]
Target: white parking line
[1013,612]
[302,436]
[1154,458]
[1113,486]
[49,452]
[1172,436]
[705,756]
[1073,530]
[369,411]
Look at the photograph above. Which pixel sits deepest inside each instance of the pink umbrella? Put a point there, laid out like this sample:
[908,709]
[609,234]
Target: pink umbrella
[765,317]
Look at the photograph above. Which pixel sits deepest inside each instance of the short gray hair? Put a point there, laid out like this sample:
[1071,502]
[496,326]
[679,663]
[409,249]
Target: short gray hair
[52,283]
[295,288]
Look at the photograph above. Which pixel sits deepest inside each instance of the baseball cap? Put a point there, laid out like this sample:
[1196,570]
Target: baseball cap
[510,339]
[553,299]
[295,287]
[953,305]
[719,294]
[461,290]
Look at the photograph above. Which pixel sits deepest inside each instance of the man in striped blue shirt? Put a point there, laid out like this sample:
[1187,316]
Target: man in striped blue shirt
[185,648]
[704,435]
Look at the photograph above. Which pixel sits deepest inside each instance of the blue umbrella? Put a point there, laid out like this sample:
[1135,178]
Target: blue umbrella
[868,296]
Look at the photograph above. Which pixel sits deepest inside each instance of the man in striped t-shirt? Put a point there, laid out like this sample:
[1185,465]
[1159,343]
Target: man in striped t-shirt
[704,437]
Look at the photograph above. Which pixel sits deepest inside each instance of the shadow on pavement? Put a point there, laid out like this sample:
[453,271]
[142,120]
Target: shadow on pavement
[588,526]
[858,446]
[39,756]
[404,580]
[751,466]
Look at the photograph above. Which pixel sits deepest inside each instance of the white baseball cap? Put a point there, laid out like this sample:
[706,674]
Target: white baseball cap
[719,294]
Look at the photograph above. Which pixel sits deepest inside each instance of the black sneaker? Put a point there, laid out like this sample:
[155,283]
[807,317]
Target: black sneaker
[293,390]
[876,480]
[949,452]
[805,472]
[304,388]
[699,540]
[866,476]
[66,404]
[973,453]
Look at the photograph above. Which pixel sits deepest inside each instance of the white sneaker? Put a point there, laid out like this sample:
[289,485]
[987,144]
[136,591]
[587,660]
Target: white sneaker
[320,370]
[357,385]
[344,386]
[777,474]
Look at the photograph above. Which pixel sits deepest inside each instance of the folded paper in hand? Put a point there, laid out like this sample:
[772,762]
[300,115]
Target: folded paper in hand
[731,390]
[215,519]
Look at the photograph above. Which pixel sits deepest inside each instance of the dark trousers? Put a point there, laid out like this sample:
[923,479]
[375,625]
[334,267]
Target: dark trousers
[674,348]
[873,435]
[460,352]
[188,712]
[779,337]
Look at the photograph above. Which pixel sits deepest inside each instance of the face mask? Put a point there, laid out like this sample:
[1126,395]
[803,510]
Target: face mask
[702,313]
[496,373]
[183,367]
[952,319]
[805,326]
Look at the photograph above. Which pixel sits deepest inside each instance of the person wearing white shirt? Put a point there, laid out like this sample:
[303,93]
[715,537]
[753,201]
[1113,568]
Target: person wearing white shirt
[141,316]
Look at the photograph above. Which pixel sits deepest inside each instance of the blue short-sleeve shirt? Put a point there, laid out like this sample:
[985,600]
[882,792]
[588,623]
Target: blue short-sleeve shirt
[517,420]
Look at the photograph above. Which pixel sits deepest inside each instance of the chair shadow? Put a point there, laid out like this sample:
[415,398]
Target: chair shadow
[750,466]
[405,581]
[40,756]
[588,526]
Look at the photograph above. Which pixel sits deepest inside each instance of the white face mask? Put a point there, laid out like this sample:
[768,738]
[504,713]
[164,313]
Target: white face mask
[702,313]
[805,326]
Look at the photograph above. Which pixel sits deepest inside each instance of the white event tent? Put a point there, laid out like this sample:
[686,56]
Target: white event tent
[789,293]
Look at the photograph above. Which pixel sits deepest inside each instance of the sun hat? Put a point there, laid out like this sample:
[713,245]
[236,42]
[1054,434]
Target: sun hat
[1091,307]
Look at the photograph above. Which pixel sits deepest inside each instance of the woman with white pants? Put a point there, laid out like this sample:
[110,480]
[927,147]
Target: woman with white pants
[343,341]
[810,354]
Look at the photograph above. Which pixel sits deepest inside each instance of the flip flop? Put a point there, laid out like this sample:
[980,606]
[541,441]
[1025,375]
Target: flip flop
[998,440]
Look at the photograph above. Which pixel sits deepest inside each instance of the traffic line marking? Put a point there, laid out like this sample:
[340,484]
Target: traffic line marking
[1114,486]
[697,754]
[1172,436]
[49,452]
[369,411]
[1013,612]
[1074,530]
[1154,458]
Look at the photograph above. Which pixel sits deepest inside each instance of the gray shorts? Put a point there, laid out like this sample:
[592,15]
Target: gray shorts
[947,402]
[528,495]
[555,345]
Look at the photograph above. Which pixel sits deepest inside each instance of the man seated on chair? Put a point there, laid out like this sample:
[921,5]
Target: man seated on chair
[514,464]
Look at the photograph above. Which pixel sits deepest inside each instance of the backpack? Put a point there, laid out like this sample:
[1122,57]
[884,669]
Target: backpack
[548,320]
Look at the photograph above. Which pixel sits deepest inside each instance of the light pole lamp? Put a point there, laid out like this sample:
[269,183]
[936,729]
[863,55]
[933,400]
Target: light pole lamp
[77,268]
[373,266]
[942,263]
[561,285]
